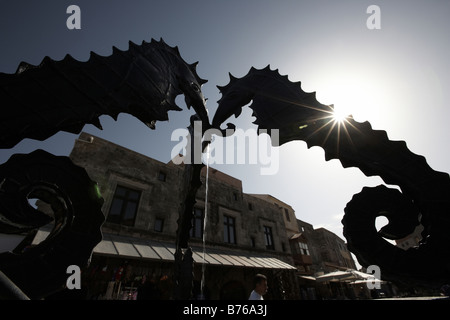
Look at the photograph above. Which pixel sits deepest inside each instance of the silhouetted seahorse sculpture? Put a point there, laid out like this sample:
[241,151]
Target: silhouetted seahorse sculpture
[39,101]
[280,104]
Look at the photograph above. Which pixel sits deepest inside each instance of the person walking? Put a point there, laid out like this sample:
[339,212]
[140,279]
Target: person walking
[260,287]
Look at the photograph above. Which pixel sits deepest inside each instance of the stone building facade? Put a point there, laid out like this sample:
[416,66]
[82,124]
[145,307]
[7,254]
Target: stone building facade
[317,252]
[333,251]
[244,234]
[328,251]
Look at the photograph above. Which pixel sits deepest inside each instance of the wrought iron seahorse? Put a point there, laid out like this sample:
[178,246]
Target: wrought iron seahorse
[425,198]
[39,101]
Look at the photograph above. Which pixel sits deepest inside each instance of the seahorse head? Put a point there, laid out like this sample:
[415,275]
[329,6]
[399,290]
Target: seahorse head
[172,76]
[190,84]
[277,103]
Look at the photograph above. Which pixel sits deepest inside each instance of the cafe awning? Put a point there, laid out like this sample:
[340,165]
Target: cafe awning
[137,248]
[344,276]
[336,276]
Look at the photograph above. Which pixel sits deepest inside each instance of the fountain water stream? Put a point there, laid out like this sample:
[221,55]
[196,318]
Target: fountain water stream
[205,219]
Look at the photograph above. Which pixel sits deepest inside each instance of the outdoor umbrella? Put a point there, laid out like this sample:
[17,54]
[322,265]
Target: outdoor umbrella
[345,275]
[336,276]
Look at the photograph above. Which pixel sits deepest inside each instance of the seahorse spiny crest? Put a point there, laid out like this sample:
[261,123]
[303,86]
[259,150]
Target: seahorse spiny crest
[269,91]
[64,95]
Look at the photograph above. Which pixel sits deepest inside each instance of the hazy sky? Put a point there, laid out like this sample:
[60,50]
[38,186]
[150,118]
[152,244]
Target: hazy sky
[396,77]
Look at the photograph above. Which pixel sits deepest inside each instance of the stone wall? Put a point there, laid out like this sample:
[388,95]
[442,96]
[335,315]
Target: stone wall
[111,165]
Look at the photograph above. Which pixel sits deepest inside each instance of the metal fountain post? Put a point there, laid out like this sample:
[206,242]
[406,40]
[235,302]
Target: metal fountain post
[184,263]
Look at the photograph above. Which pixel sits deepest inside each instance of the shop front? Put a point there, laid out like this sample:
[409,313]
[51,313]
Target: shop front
[127,268]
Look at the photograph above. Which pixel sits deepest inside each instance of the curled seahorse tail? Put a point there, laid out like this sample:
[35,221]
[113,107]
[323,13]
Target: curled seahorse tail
[75,203]
[423,263]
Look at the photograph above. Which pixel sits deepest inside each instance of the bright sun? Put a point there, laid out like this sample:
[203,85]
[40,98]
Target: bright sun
[339,115]
[360,99]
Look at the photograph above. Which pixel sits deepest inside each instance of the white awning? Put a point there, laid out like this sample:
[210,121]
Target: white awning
[347,276]
[113,245]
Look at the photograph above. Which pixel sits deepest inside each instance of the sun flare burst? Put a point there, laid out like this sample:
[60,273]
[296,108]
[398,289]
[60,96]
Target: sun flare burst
[339,115]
